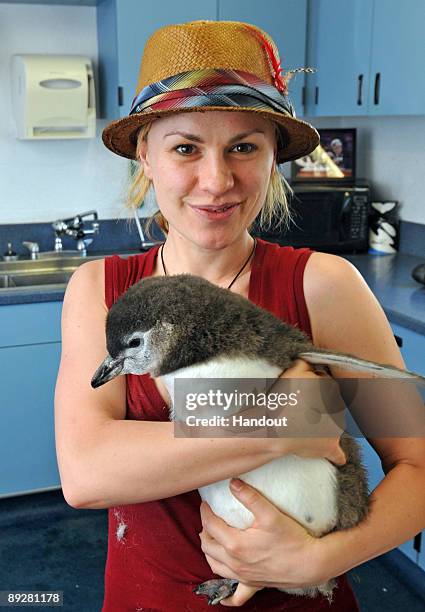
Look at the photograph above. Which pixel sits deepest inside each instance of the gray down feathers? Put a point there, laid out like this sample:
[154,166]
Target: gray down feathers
[209,321]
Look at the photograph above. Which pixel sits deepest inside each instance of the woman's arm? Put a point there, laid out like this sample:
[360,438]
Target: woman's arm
[345,316]
[105,460]
[277,551]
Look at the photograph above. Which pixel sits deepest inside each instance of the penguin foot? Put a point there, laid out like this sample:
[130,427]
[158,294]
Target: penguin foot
[216,590]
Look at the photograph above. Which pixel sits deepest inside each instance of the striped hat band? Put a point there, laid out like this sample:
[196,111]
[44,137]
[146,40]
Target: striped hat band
[211,87]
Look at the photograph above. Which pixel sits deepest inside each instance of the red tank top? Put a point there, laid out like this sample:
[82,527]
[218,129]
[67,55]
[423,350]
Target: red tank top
[154,564]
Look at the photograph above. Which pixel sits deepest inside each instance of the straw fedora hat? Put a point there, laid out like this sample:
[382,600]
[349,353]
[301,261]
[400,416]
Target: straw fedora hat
[212,65]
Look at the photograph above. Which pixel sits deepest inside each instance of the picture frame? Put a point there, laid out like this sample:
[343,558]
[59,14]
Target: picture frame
[334,160]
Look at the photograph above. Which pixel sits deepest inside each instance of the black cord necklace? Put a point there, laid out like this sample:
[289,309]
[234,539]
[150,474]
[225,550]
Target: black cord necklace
[237,275]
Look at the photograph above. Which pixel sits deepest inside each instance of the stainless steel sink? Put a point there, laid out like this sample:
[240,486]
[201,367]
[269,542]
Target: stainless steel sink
[46,278]
[46,272]
[42,266]
[13,281]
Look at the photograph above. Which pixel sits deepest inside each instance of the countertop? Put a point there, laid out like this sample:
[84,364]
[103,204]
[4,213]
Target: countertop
[388,276]
[390,279]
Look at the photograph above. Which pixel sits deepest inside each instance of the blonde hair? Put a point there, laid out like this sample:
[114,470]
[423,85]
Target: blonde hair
[275,208]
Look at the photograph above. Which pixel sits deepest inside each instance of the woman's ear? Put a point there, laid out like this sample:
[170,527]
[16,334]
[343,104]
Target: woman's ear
[144,159]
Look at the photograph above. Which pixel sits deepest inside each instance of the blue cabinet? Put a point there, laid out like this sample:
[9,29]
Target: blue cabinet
[338,47]
[413,351]
[286,22]
[29,360]
[23,324]
[397,75]
[369,55]
[123,27]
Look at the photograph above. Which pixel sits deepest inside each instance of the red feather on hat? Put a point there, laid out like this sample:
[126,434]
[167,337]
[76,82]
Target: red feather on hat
[275,65]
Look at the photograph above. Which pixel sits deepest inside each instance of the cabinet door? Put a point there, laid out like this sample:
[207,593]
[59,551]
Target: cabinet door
[413,351]
[30,323]
[124,26]
[397,76]
[286,22]
[338,47]
[27,443]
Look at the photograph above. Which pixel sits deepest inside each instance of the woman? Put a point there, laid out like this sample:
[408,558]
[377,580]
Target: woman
[212,171]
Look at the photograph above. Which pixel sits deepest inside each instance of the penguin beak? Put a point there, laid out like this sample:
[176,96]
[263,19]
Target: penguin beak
[109,369]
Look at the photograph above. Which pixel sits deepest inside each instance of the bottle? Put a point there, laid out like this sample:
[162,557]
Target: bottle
[10,254]
[384,225]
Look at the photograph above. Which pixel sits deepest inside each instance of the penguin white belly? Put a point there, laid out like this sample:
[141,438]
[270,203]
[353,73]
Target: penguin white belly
[303,488]
[306,489]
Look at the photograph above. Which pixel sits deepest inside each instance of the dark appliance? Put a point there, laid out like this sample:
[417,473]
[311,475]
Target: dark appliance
[328,218]
[418,273]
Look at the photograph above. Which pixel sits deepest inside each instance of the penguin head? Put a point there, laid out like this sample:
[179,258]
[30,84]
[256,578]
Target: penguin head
[165,323]
[134,351]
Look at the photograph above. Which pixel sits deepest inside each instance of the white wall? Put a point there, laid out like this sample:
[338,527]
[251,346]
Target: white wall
[46,180]
[49,179]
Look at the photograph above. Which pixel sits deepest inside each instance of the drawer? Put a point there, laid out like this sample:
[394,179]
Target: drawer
[30,323]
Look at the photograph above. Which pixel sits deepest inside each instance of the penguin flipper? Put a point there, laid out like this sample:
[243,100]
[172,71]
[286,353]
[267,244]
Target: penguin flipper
[352,363]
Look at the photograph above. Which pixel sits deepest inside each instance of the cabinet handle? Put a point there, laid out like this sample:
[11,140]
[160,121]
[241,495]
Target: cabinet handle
[303,96]
[359,89]
[398,340]
[377,86]
[120,96]
[417,542]
[316,95]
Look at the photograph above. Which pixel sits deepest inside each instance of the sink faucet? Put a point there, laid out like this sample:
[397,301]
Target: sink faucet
[33,248]
[74,227]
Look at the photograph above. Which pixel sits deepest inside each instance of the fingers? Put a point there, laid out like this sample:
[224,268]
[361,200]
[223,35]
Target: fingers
[215,526]
[223,570]
[219,568]
[265,512]
[213,551]
[336,454]
[299,369]
[222,563]
[243,593]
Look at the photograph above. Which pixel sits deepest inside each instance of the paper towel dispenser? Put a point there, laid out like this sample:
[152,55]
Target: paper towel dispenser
[53,96]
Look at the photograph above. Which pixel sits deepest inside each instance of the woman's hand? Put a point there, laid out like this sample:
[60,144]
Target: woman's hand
[275,551]
[315,423]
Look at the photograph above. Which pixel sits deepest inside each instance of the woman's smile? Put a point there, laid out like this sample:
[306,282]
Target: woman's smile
[215,213]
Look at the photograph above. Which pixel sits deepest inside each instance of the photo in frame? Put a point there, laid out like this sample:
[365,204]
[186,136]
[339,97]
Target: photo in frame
[334,159]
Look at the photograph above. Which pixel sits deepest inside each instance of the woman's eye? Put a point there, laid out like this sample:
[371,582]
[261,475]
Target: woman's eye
[244,147]
[185,149]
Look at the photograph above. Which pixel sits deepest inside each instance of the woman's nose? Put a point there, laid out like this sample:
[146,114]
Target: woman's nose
[215,175]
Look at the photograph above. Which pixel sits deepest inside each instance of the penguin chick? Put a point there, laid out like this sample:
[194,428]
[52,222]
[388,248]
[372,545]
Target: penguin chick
[162,324]
[184,326]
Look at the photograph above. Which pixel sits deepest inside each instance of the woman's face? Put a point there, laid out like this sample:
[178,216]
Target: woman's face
[201,163]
